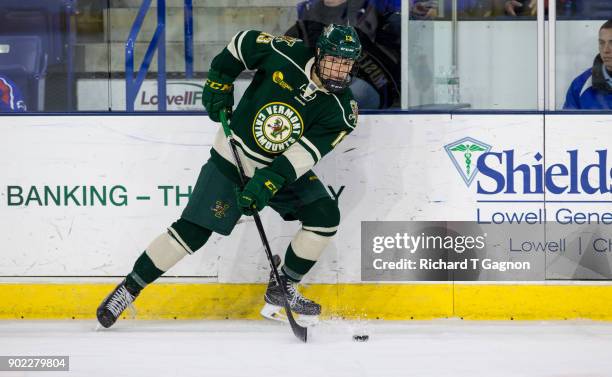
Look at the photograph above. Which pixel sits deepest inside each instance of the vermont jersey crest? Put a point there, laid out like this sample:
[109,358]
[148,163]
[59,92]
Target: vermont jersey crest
[277,126]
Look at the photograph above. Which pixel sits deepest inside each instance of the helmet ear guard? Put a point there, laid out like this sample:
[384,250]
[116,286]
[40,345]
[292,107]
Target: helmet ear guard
[337,41]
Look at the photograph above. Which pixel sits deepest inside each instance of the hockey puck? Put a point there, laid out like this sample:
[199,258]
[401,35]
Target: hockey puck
[361,338]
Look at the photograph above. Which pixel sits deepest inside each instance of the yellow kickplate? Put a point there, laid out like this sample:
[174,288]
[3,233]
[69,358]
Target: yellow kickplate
[533,302]
[352,301]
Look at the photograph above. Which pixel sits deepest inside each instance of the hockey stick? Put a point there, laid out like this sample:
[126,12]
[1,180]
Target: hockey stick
[299,331]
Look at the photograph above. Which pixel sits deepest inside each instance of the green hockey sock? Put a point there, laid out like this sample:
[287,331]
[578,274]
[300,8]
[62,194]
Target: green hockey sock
[143,273]
[295,267]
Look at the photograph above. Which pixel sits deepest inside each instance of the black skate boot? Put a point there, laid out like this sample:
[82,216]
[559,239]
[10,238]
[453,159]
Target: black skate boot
[114,304]
[306,311]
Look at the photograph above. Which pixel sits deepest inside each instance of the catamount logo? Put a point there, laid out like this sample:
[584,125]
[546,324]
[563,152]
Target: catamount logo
[277,126]
[290,41]
[219,209]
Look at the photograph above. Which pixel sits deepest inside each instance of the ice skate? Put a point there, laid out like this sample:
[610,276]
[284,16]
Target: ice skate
[306,311]
[114,304]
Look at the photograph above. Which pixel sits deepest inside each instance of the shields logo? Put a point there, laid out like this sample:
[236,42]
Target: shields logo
[464,153]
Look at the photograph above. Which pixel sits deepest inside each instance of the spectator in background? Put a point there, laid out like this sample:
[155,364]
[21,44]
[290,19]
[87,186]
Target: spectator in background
[565,8]
[521,7]
[466,9]
[378,24]
[423,9]
[11,99]
[592,90]
[429,9]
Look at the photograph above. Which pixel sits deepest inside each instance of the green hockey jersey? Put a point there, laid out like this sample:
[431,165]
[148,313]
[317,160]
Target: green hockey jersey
[284,119]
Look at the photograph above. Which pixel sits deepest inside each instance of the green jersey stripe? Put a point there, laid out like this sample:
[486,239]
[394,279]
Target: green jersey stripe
[249,151]
[239,48]
[250,156]
[231,47]
[307,148]
[221,146]
[235,47]
[312,147]
[300,158]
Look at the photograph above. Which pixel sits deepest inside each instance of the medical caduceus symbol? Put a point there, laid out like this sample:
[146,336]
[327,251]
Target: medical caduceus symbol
[467,149]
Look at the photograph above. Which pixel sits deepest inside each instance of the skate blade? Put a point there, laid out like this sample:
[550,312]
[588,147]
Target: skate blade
[277,313]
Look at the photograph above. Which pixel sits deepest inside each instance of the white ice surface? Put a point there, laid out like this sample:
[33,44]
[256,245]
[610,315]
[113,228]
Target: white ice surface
[258,348]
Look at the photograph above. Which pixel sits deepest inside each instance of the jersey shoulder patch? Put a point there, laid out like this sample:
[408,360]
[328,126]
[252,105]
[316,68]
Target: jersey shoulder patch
[289,41]
[349,109]
[267,38]
[264,38]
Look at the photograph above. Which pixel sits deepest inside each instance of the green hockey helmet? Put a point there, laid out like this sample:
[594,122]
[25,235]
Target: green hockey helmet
[338,49]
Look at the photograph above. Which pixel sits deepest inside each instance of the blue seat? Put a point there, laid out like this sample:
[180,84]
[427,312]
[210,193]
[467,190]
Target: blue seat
[43,18]
[594,9]
[23,60]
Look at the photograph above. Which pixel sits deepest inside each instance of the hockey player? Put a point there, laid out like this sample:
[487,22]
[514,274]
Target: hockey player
[295,111]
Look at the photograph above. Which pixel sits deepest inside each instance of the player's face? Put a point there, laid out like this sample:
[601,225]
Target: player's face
[605,47]
[335,68]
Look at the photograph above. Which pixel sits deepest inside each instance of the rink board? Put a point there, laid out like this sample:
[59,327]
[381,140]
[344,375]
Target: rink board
[392,168]
[350,301]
